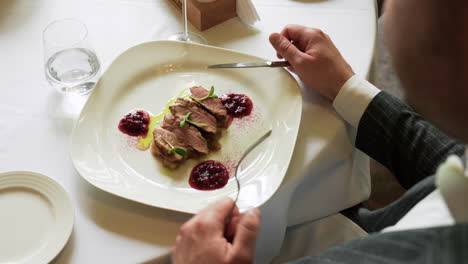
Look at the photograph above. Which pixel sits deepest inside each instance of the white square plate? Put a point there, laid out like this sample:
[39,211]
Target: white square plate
[146,77]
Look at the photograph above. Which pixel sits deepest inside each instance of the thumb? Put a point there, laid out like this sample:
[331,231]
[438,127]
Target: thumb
[246,234]
[284,47]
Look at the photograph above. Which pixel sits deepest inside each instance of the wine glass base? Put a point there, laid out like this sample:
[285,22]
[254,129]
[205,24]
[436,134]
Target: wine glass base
[190,37]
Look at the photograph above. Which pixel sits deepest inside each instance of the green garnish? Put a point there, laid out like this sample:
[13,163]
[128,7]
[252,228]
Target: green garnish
[210,95]
[186,119]
[182,123]
[182,152]
[179,151]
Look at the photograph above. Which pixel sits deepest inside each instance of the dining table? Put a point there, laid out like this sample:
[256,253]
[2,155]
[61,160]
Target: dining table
[326,174]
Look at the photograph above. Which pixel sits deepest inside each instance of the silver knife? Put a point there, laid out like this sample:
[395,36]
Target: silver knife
[251,64]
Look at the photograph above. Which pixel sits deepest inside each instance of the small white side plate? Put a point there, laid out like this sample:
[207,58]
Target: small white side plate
[36,218]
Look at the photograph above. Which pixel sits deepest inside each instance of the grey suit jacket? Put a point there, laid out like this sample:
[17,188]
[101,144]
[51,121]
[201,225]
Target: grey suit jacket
[397,137]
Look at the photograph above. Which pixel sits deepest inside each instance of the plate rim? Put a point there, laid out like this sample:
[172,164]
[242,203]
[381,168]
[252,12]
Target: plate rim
[86,105]
[49,253]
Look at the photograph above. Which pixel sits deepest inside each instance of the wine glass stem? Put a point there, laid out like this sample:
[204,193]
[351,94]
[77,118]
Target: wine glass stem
[184,7]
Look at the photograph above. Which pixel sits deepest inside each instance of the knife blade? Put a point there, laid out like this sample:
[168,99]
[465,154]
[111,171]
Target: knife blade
[251,64]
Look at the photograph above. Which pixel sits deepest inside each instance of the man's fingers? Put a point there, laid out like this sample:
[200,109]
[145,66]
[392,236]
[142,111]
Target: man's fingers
[178,239]
[293,32]
[246,233]
[285,48]
[231,228]
[210,221]
[296,34]
[221,207]
[301,36]
[216,214]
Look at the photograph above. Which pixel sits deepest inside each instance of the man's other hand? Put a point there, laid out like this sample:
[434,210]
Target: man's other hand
[206,237]
[314,58]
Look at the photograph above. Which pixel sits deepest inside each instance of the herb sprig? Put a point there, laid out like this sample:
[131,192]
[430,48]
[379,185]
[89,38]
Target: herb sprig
[186,120]
[211,94]
[182,152]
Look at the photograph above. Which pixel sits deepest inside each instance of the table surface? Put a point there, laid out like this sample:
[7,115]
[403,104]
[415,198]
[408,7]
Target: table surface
[36,122]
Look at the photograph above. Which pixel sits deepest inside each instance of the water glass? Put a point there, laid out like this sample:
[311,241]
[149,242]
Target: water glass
[71,65]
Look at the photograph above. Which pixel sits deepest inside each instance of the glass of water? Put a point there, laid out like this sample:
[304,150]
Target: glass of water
[71,65]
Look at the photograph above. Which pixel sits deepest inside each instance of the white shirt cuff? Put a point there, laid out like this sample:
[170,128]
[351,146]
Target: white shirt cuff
[353,99]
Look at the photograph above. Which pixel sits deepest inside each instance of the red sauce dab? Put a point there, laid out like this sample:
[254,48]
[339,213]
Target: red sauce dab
[209,175]
[135,123]
[237,105]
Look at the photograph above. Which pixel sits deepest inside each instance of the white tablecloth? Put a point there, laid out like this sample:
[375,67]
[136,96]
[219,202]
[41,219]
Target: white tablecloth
[326,174]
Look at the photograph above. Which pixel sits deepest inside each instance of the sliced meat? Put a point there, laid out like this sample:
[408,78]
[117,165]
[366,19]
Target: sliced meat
[213,105]
[160,148]
[188,135]
[159,134]
[182,107]
[213,140]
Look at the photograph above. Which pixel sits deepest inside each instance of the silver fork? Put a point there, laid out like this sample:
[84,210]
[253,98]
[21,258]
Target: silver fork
[246,152]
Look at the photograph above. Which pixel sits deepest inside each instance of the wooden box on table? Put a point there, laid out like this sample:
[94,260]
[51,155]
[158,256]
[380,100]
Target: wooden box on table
[204,15]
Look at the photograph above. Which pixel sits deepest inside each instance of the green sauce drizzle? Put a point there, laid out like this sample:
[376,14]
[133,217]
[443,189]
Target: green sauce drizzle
[145,142]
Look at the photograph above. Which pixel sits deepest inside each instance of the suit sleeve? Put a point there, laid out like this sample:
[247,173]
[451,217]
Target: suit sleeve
[429,245]
[392,133]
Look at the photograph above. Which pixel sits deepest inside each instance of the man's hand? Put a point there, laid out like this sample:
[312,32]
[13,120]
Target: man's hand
[203,238]
[314,58]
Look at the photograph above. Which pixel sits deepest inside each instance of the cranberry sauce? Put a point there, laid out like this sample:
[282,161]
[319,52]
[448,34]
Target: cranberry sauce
[237,105]
[209,175]
[135,123]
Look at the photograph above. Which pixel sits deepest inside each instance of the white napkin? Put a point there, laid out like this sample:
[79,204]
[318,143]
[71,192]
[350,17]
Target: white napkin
[246,12]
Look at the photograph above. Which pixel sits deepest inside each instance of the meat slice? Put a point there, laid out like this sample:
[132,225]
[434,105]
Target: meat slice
[213,105]
[160,148]
[213,140]
[187,135]
[182,107]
